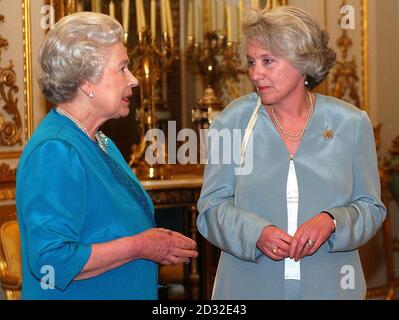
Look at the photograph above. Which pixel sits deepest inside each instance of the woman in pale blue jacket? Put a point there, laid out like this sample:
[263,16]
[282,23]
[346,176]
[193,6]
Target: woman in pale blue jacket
[293,200]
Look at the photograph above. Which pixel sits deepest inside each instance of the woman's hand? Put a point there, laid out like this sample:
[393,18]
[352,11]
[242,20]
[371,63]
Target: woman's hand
[274,242]
[311,235]
[165,246]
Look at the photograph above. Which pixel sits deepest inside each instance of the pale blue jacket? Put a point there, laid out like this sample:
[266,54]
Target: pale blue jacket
[339,176]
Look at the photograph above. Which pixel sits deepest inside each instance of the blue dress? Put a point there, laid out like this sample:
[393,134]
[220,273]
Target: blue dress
[70,195]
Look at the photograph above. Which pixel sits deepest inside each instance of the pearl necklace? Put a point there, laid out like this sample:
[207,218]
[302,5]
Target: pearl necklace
[102,139]
[295,137]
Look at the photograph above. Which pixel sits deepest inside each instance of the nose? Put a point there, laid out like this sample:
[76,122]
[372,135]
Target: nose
[133,82]
[256,73]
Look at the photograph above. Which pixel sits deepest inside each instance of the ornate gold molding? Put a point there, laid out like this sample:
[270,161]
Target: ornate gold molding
[345,78]
[365,53]
[28,88]
[10,131]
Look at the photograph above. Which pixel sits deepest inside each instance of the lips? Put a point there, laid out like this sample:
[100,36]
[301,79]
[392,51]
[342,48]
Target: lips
[263,88]
[126,99]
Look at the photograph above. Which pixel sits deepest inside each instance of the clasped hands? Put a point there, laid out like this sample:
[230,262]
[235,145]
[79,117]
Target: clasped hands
[278,244]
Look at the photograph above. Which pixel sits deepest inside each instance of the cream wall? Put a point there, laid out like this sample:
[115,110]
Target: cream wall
[384,67]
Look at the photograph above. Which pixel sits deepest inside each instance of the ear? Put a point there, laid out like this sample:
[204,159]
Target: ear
[86,87]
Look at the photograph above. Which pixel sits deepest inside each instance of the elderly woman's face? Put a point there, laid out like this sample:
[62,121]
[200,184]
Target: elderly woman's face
[111,94]
[274,78]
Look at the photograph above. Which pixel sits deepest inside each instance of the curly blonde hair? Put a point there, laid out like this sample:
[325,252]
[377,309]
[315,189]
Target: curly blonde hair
[292,34]
[75,51]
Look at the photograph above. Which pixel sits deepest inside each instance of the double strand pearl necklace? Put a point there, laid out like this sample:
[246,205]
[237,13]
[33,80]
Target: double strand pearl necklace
[101,138]
[295,137]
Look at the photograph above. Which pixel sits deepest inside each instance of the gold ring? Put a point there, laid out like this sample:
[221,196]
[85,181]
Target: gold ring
[310,243]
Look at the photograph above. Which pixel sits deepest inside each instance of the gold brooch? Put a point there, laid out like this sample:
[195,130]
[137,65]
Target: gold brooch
[328,134]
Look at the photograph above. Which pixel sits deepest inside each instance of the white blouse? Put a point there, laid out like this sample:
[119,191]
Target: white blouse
[292,269]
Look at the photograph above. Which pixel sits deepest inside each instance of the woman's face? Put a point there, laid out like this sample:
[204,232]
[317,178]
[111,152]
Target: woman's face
[274,78]
[111,94]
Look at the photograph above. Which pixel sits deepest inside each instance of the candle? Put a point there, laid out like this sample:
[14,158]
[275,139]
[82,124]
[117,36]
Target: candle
[229,23]
[163,16]
[142,15]
[190,18]
[200,23]
[96,5]
[169,18]
[138,17]
[196,21]
[241,11]
[220,16]
[79,6]
[255,4]
[212,14]
[112,9]
[125,15]
[153,18]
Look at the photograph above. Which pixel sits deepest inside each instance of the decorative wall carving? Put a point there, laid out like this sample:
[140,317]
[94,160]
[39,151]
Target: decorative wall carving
[10,121]
[7,182]
[345,78]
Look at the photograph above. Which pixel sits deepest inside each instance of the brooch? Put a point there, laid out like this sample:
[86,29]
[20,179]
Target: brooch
[328,134]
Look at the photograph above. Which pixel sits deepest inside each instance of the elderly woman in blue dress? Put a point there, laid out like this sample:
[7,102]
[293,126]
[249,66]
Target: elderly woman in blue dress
[87,225]
[290,227]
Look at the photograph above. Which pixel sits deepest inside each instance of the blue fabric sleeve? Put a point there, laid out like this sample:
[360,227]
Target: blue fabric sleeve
[53,205]
[358,222]
[232,229]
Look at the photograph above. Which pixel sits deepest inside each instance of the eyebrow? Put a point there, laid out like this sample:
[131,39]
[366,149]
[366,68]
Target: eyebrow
[124,62]
[267,55]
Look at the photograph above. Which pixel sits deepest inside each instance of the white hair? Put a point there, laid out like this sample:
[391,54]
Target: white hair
[75,51]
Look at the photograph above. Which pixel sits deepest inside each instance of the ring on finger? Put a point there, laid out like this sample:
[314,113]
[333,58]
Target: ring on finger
[275,250]
[310,243]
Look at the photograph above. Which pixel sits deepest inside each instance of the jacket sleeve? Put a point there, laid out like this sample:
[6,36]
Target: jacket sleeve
[52,206]
[232,229]
[359,220]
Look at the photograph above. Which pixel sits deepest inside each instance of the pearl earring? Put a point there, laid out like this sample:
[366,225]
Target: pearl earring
[306,81]
[91,95]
